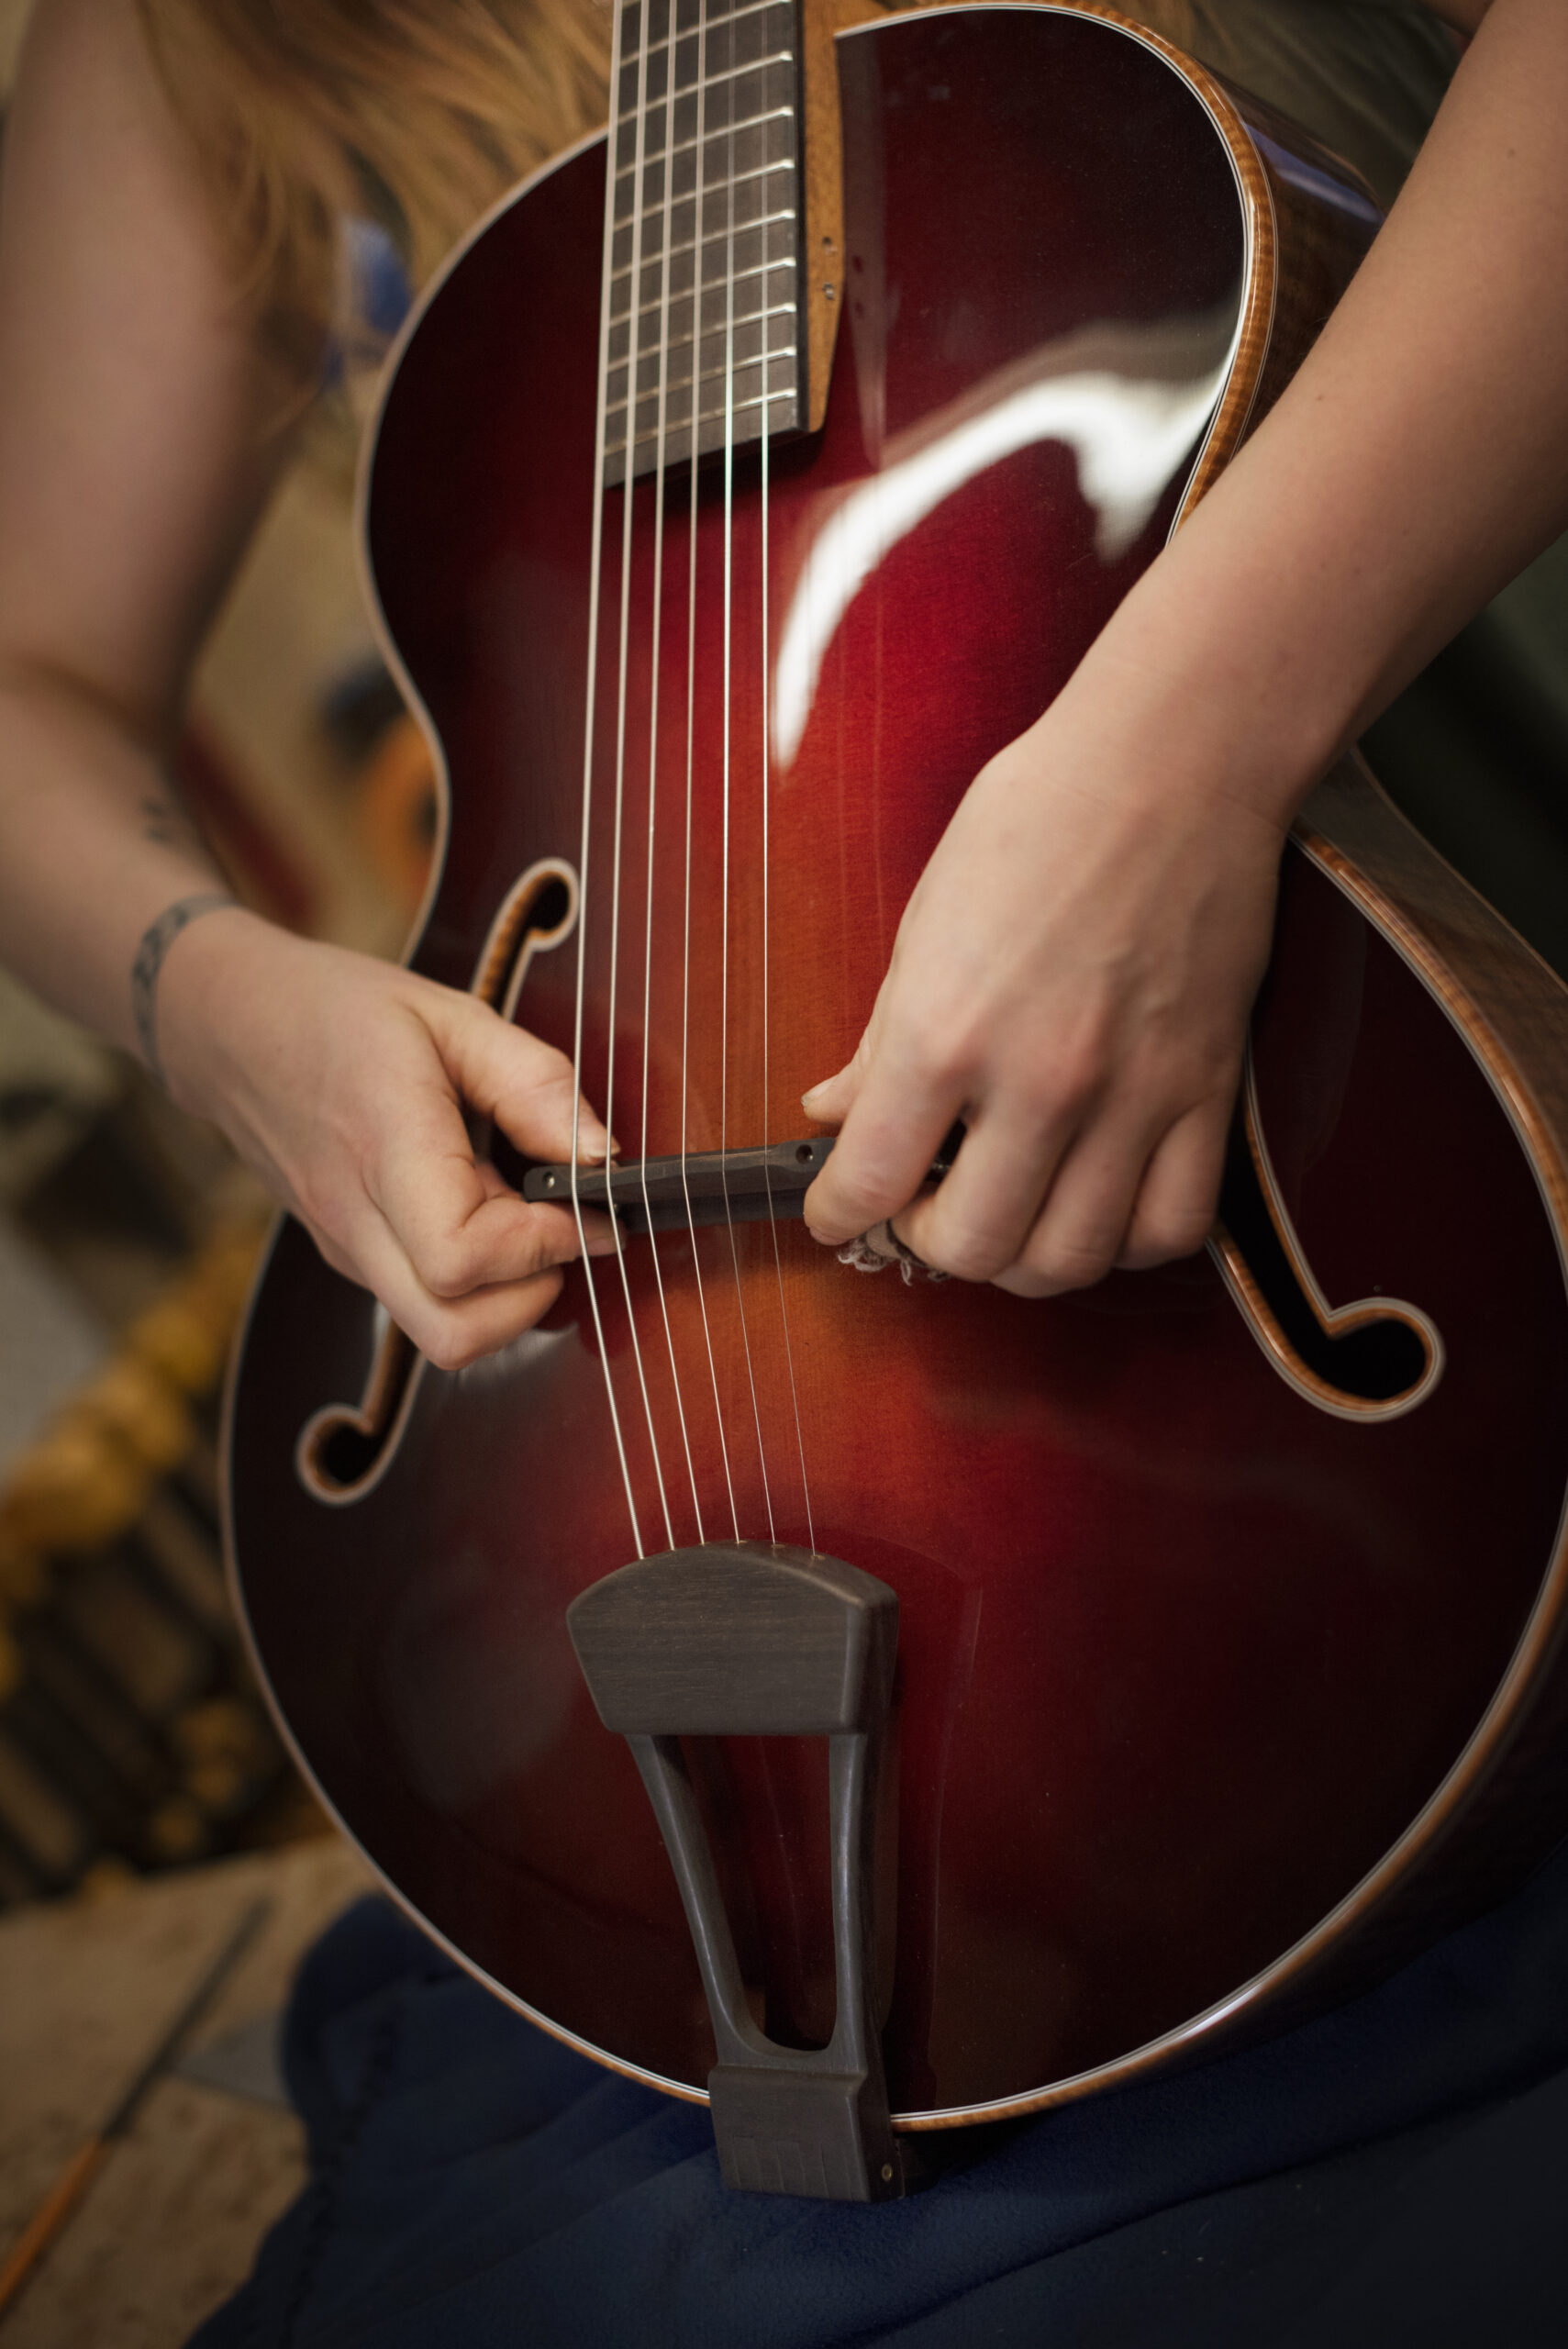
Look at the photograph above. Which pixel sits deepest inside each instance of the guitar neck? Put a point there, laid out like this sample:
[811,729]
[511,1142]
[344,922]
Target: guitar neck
[706,347]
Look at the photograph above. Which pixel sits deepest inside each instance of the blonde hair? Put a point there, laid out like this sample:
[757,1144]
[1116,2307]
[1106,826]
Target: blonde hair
[421,111]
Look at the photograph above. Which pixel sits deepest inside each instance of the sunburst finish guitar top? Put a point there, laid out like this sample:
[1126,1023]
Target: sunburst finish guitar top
[1222,1673]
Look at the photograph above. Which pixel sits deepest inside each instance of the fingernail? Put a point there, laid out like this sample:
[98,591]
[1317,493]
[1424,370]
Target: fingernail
[601,1243]
[594,1146]
[808,1098]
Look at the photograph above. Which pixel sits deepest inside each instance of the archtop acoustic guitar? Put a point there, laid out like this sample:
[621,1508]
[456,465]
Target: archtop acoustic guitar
[876,1705]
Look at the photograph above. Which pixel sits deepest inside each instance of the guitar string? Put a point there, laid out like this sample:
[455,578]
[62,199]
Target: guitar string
[767,813]
[623,664]
[595,566]
[627,513]
[659,465]
[728,652]
[691,740]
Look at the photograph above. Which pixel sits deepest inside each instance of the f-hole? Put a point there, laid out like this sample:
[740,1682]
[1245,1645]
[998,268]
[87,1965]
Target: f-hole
[345,1449]
[1373,1358]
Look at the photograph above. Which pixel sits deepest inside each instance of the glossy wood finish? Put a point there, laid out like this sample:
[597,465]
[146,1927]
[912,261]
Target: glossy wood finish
[1197,1682]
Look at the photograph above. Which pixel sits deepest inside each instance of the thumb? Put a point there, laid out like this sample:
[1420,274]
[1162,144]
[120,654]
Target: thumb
[831,1102]
[525,1084]
[828,1102]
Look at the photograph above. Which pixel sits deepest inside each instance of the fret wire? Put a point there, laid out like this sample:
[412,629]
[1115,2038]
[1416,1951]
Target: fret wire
[680,284]
[687,109]
[711,81]
[711,288]
[716,236]
[711,139]
[783,268]
[713,237]
[689,31]
[783,254]
[678,386]
[684,89]
[710,432]
[784,395]
[704,415]
[685,341]
[710,375]
[782,415]
[736,178]
[780,269]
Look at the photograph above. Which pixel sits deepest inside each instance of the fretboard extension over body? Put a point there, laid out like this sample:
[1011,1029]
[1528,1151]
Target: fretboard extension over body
[706,271]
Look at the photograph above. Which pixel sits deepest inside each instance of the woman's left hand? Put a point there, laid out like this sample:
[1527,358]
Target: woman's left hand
[1071,979]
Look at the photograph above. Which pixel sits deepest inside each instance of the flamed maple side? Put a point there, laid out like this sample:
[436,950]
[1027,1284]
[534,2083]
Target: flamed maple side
[1210,1701]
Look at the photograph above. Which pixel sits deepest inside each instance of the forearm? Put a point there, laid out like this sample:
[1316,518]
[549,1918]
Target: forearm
[93,850]
[1418,460]
[142,423]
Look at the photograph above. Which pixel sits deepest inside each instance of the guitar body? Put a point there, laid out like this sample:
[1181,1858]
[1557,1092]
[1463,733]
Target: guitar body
[1219,1685]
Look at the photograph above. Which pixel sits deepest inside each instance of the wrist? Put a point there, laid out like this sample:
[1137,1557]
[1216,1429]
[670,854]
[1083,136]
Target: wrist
[191,976]
[1209,705]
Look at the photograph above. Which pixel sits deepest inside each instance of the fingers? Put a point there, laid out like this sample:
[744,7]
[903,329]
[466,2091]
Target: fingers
[1115,1202]
[1179,1196]
[450,1331]
[344,1082]
[462,1262]
[1047,1193]
[459,1278]
[902,1104]
[894,1104]
[828,1102]
[977,1220]
[458,1228]
[521,1081]
[1040,1209]
[892,1131]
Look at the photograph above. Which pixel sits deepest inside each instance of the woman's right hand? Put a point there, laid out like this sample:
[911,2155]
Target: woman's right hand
[342,1081]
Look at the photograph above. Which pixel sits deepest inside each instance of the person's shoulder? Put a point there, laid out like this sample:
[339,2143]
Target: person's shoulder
[86,34]
[1465,16]
[85,66]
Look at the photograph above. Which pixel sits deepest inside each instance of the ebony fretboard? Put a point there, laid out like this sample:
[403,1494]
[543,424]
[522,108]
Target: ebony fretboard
[729,234]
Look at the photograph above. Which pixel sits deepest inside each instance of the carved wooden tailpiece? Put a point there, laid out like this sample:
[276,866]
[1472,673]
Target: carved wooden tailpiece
[739,1639]
[726,229]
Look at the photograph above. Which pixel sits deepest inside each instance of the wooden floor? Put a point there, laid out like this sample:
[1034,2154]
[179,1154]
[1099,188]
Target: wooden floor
[88,1988]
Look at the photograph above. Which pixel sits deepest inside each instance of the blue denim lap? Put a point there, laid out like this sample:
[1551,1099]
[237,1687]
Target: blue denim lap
[1389,2173]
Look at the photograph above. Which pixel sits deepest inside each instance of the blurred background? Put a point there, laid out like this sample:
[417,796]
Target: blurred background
[147,1805]
[131,1738]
